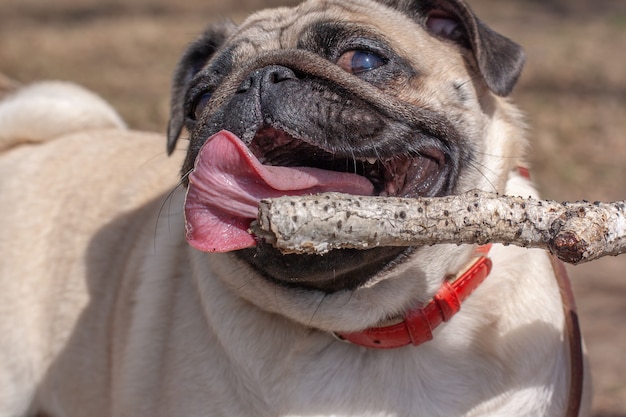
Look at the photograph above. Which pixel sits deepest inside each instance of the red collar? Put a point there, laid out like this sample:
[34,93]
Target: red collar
[419,323]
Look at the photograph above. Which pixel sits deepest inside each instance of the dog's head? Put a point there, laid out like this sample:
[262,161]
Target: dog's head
[400,98]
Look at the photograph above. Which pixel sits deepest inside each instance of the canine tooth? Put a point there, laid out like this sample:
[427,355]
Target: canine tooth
[371,160]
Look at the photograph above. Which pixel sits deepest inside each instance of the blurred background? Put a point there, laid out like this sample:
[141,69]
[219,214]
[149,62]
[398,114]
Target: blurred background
[573,91]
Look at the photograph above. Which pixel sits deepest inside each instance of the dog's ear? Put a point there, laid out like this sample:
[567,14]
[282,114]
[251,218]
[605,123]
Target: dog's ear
[193,60]
[499,59]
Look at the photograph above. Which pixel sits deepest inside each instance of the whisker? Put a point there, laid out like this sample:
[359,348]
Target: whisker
[167,200]
[377,153]
[248,281]
[353,159]
[319,305]
[499,155]
[481,168]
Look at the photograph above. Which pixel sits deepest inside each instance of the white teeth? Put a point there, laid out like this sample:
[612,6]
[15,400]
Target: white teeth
[371,160]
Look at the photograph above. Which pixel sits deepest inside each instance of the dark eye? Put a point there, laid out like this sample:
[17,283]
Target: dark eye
[357,62]
[199,106]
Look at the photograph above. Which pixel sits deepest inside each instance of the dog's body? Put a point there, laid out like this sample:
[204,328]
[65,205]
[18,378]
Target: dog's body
[106,310]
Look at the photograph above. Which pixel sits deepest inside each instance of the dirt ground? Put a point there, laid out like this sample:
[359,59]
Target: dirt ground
[573,91]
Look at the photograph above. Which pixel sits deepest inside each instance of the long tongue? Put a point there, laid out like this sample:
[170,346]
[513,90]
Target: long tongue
[228,182]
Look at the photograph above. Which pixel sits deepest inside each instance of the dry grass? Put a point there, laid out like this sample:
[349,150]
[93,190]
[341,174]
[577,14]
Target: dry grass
[573,90]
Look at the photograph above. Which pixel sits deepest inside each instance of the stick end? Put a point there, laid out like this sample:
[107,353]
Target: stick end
[569,247]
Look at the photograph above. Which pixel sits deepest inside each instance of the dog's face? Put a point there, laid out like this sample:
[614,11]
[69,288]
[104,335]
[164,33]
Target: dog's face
[377,97]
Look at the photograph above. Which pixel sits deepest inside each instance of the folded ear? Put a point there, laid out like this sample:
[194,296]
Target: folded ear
[500,60]
[193,60]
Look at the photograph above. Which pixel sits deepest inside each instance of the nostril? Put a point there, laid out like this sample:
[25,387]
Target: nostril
[246,85]
[274,78]
[277,74]
[266,76]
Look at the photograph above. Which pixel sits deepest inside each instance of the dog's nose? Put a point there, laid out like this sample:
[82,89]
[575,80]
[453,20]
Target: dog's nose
[265,77]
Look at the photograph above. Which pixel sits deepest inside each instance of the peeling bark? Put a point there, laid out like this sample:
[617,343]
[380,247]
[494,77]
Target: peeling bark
[574,232]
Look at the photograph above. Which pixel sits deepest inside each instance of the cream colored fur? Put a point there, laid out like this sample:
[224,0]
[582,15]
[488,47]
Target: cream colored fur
[44,111]
[106,311]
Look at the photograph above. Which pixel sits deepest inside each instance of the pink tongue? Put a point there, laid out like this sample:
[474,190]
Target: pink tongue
[228,182]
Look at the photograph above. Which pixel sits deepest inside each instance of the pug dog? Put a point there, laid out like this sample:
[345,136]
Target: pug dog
[125,294]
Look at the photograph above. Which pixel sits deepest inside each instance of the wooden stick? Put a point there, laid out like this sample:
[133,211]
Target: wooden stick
[574,232]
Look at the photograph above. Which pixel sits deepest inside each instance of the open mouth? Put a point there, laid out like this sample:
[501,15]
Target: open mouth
[402,175]
[229,179]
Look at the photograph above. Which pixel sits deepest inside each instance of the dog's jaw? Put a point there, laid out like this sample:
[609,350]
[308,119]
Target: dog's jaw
[338,270]
[222,199]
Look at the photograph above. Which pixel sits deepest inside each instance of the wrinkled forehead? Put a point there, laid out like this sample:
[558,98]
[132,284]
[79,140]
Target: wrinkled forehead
[300,26]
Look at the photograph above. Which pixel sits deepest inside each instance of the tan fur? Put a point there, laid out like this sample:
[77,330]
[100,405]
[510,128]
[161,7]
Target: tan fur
[106,311]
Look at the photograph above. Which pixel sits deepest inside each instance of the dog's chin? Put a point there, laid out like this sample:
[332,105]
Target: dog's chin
[338,270]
